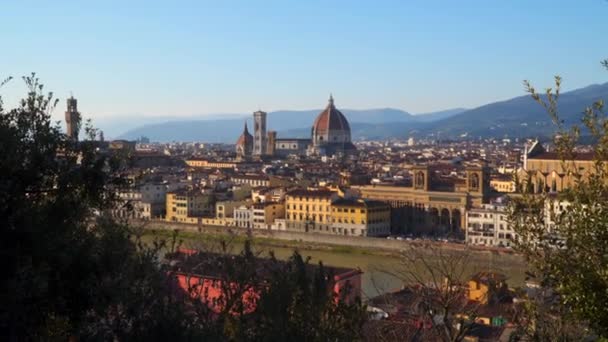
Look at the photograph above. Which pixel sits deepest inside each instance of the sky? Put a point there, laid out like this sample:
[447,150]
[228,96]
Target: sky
[184,58]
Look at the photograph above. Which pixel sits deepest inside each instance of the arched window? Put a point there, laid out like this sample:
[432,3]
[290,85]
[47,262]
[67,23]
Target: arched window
[474,181]
[420,179]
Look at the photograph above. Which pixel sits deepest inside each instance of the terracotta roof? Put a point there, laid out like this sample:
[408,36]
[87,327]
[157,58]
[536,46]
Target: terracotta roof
[330,119]
[555,156]
[245,138]
[311,193]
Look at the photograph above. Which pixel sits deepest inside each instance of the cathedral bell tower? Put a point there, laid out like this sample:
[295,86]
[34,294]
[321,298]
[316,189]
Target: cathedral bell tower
[259,133]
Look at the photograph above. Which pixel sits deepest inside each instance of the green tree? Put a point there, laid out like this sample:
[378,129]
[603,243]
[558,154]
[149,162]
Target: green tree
[70,270]
[571,258]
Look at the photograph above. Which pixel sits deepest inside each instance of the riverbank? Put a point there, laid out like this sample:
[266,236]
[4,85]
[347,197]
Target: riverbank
[374,262]
[189,239]
[301,240]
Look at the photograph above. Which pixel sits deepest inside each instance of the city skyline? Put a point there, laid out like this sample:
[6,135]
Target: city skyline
[196,59]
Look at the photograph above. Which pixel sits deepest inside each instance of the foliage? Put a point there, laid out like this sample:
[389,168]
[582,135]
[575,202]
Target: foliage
[438,280]
[71,271]
[571,257]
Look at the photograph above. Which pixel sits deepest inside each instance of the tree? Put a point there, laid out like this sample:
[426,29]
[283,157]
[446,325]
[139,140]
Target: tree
[437,283]
[571,258]
[72,271]
[68,270]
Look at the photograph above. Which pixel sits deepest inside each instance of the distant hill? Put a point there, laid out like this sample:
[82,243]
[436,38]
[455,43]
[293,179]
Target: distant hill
[228,130]
[518,117]
[442,114]
[361,130]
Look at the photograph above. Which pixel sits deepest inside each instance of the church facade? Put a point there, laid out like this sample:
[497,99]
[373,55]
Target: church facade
[330,135]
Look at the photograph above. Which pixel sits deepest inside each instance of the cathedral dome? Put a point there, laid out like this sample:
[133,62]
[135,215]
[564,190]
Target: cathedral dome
[330,119]
[331,128]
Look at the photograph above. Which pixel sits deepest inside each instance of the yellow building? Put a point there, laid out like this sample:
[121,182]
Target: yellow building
[431,205]
[209,164]
[503,183]
[546,172]
[483,287]
[264,214]
[360,218]
[189,206]
[309,210]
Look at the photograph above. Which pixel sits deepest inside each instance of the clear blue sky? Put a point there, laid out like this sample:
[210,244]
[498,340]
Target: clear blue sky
[197,57]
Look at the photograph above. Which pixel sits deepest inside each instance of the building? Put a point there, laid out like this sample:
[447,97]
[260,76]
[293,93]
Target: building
[259,133]
[429,204]
[264,214]
[331,132]
[145,201]
[243,217]
[503,183]
[189,206]
[309,210]
[360,218]
[489,225]
[330,135]
[122,145]
[225,209]
[285,147]
[547,172]
[488,287]
[244,145]
[251,180]
[193,275]
[72,119]
[271,143]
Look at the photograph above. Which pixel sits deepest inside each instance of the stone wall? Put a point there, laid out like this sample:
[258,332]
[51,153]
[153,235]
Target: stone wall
[355,241]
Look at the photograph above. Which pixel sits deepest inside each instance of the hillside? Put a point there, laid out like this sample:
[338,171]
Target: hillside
[518,117]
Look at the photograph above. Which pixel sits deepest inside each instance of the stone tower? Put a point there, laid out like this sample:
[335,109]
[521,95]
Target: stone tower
[72,118]
[259,133]
[272,139]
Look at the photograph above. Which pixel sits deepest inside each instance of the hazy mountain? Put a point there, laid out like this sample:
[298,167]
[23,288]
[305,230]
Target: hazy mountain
[228,130]
[366,130]
[442,114]
[518,117]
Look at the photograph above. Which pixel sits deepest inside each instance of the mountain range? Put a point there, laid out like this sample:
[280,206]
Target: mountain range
[517,117]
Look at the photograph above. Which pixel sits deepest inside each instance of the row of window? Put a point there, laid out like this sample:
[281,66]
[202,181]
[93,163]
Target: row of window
[314,207]
[478,215]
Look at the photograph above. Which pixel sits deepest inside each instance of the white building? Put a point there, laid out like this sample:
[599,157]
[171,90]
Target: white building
[243,217]
[488,226]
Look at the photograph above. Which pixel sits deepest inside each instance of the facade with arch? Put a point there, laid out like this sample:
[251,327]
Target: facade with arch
[423,208]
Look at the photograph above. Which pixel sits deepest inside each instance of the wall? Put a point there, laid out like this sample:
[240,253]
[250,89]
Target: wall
[355,241]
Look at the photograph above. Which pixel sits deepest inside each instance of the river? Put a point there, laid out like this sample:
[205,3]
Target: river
[377,266]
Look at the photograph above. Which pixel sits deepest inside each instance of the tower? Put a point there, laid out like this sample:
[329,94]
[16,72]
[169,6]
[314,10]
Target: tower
[270,146]
[478,180]
[259,133]
[420,177]
[72,118]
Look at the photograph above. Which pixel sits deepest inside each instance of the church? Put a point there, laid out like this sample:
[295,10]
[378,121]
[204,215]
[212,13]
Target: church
[330,135]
